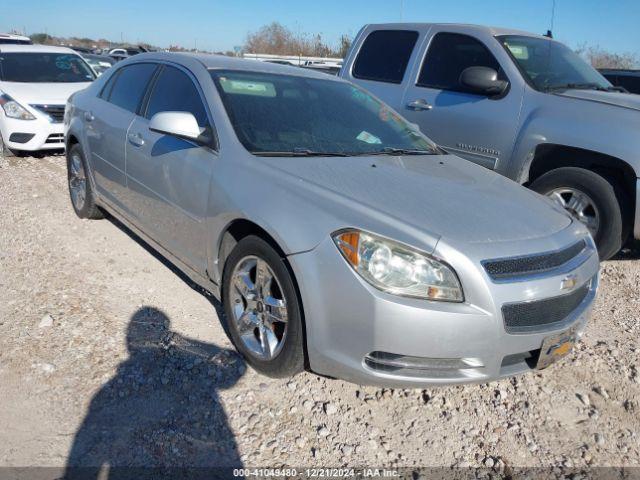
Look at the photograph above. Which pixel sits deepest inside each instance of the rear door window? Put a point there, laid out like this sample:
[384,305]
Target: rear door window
[448,55]
[130,86]
[174,91]
[384,55]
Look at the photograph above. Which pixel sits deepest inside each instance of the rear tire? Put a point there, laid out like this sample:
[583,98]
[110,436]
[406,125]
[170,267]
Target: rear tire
[588,188]
[252,308]
[80,191]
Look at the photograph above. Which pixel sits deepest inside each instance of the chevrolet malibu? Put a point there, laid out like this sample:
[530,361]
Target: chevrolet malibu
[338,237]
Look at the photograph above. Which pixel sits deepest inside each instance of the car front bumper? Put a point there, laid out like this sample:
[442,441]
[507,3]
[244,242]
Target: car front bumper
[40,134]
[353,328]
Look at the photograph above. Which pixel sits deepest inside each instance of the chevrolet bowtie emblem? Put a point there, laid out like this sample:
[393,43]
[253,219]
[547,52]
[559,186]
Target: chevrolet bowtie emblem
[568,282]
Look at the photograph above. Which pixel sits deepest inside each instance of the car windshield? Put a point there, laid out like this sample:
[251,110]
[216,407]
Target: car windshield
[288,115]
[550,65]
[31,67]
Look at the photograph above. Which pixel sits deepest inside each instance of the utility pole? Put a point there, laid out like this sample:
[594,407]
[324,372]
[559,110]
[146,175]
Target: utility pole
[401,10]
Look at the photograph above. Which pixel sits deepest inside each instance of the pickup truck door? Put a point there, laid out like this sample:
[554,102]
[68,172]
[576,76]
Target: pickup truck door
[169,177]
[475,127]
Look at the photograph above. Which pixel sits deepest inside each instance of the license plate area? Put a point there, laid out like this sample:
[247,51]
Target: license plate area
[556,347]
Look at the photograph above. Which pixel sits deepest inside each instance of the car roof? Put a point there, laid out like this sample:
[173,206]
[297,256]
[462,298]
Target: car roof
[494,31]
[222,62]
[14,36]
[35,49]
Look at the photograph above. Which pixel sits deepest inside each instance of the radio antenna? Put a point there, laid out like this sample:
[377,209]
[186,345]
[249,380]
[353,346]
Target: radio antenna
[553,17]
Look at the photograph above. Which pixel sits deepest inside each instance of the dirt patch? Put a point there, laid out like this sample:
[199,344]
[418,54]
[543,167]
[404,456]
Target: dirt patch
[108,356]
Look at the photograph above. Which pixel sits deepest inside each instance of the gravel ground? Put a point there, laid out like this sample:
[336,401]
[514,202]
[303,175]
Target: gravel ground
[108,356]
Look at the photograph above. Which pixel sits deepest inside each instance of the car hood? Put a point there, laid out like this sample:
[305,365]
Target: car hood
[442,195]
[618,99]
[42,93]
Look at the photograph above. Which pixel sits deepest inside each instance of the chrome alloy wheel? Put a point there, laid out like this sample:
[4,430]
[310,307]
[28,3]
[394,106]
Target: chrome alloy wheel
[77,182]
[579,205]
[258,307]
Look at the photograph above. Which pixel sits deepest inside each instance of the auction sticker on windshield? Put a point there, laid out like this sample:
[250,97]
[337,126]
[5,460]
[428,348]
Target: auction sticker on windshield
[368,138]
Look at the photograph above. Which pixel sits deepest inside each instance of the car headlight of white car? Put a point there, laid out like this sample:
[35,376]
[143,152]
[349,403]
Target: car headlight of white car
[13,109]
[397,268]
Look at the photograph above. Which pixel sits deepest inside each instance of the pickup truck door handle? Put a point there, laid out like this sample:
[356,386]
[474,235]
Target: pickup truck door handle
[136,139]
[88,116]
[418,105]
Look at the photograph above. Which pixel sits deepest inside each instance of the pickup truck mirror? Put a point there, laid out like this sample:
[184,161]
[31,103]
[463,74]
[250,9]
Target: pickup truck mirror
[482,80]
[177,124]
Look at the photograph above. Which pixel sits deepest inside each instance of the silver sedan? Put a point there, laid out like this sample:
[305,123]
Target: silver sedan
[338,237]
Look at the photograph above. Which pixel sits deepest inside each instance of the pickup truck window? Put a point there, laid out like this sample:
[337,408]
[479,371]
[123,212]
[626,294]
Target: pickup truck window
[384,55]
[289,115]
[448,55]
[549,65]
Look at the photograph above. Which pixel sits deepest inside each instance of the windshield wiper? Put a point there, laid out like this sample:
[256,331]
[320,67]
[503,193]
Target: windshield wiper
[400,151]
[581,86]
[298,152]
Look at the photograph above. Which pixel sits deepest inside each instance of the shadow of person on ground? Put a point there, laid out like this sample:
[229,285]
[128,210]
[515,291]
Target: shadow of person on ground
[161,411]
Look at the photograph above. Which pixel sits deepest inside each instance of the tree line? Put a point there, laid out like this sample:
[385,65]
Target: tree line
[278,39]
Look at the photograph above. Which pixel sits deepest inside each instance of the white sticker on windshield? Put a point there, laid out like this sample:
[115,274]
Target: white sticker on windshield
[368,138]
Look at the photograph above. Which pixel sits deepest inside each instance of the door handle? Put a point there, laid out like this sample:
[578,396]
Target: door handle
[136,139]
[88,116]
[419,104]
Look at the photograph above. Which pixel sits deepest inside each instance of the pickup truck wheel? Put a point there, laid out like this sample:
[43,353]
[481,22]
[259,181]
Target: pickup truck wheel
[591,200]
[262,310]
[80,191]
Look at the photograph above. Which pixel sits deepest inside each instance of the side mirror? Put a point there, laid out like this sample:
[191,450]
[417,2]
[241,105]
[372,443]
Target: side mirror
[177,124]
[482,80]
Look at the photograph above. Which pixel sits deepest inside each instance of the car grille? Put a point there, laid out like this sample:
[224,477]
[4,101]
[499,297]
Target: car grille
[55,138]
[56,112]
[506,268]
[542,314]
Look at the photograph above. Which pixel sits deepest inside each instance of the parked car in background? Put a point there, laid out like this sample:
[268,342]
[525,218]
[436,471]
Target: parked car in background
[336,235]
[627,79]
[35,83]
[121,53]
[328,69]
[99,63]
[118,51]
[521,104]
[81,50]
[13,39]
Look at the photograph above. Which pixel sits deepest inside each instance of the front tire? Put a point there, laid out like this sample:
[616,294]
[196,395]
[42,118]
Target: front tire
[6,151]
[263,316]
[591,200]
[82,196]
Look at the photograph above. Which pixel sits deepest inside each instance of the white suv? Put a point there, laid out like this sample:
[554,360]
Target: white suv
[35,83]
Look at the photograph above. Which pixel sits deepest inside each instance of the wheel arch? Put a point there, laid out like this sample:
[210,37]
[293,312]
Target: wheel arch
[71,140]
[549,156]
[240,228]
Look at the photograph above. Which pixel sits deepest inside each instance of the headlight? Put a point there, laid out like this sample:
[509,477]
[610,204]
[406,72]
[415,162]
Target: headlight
[397,268]
[13,109]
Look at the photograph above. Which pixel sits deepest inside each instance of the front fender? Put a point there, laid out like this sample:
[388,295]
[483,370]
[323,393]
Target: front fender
[570,122]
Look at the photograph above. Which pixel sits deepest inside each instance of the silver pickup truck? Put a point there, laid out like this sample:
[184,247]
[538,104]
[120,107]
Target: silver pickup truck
[521,104]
